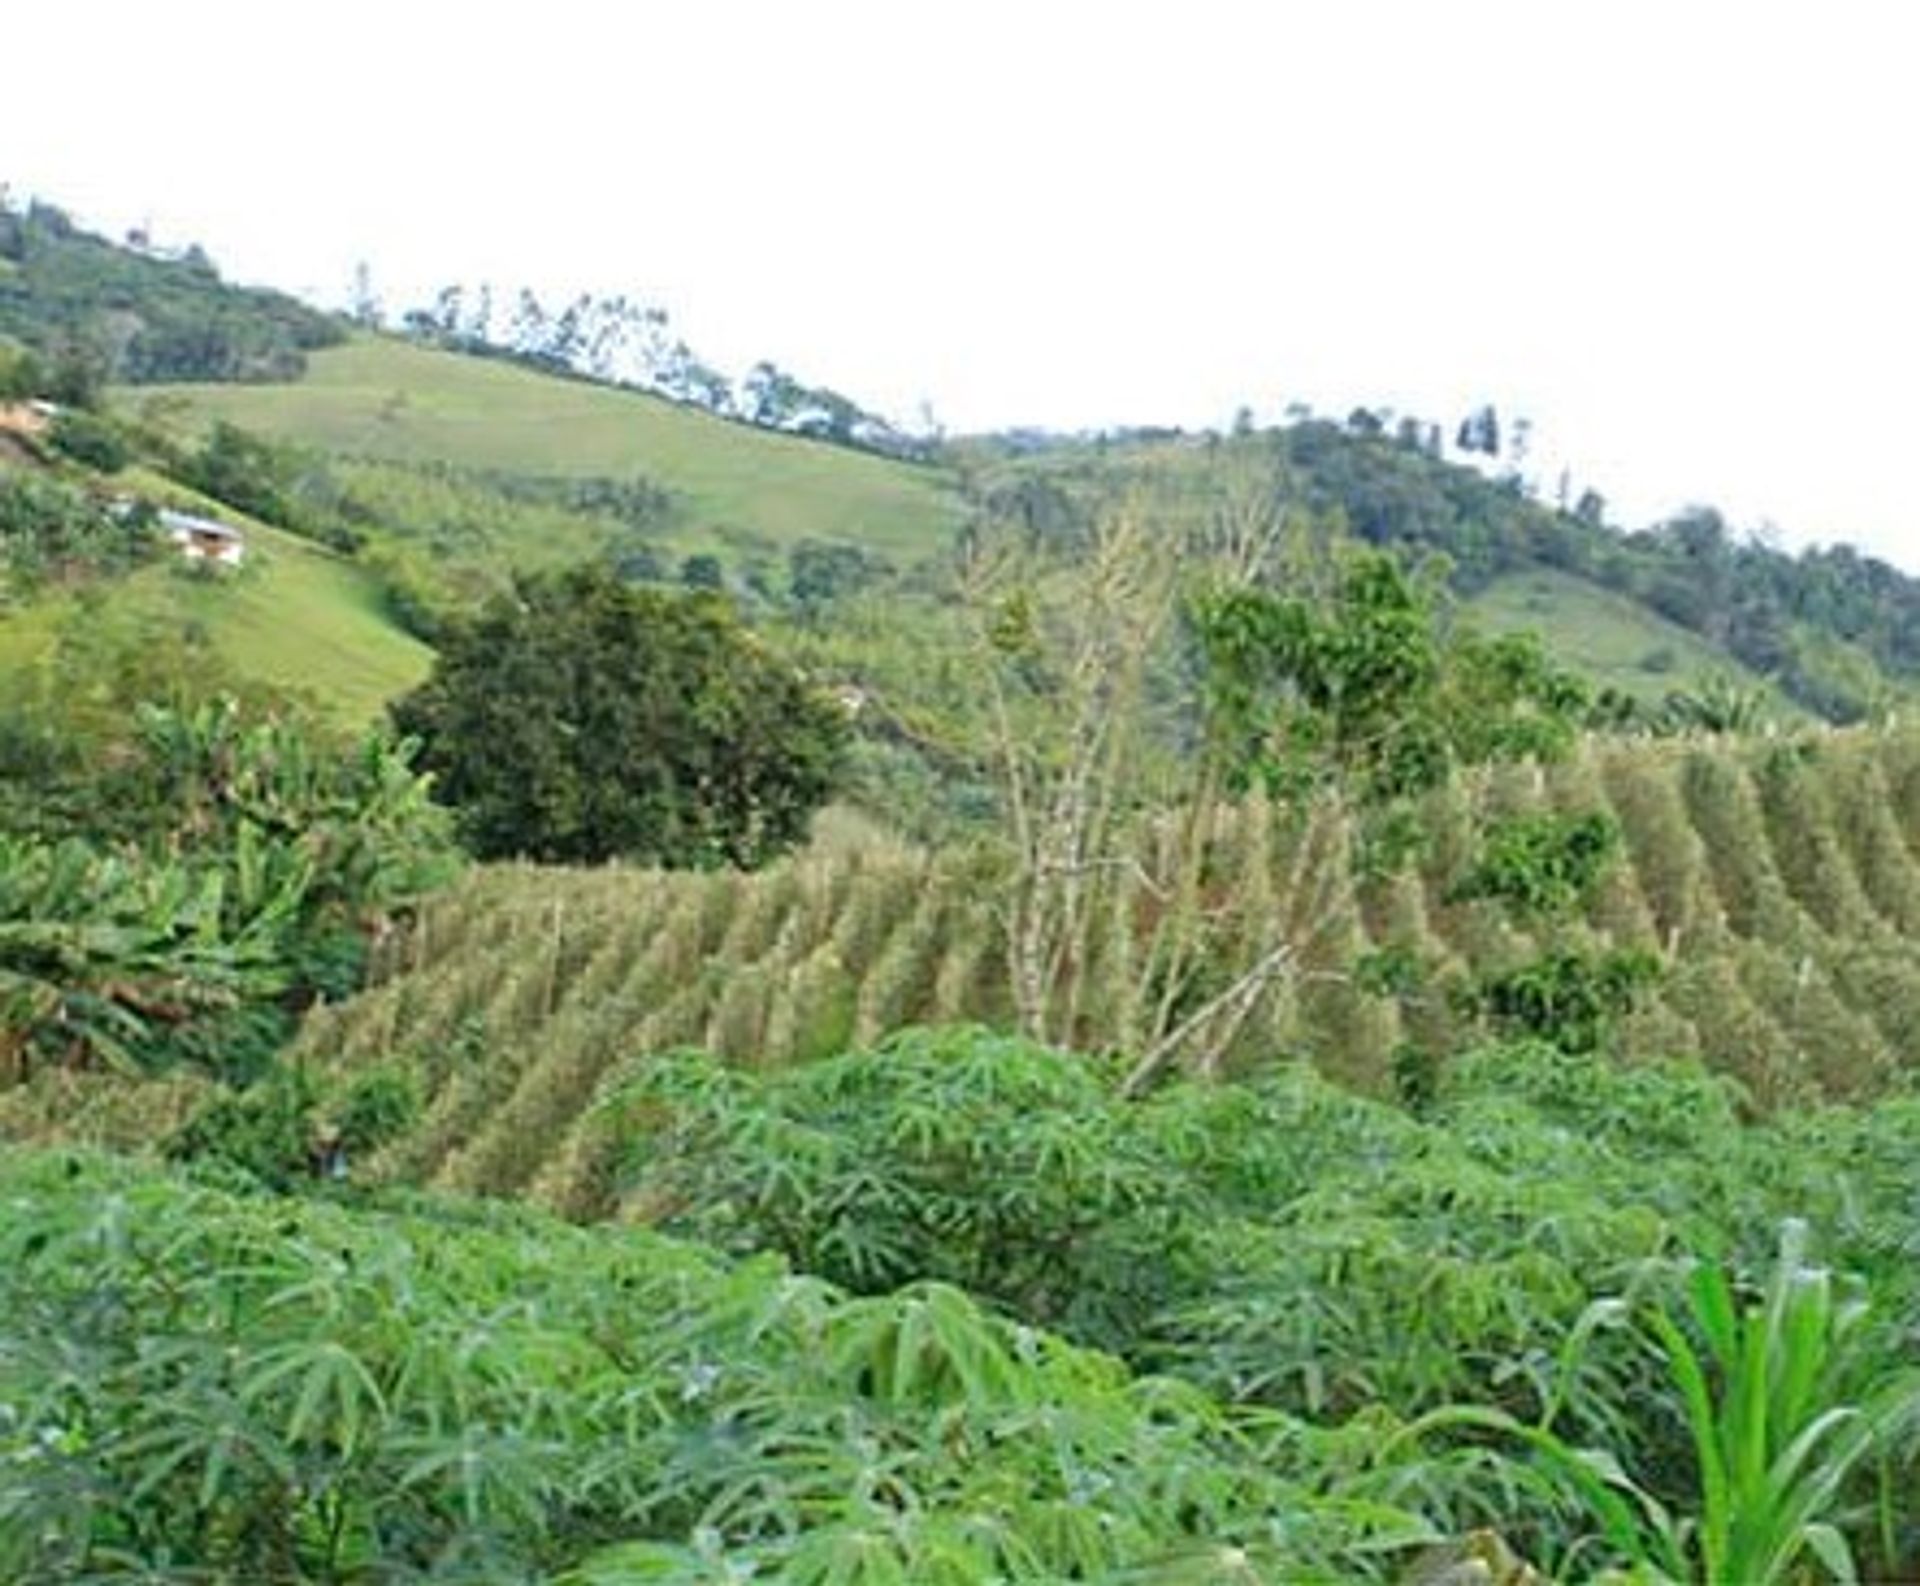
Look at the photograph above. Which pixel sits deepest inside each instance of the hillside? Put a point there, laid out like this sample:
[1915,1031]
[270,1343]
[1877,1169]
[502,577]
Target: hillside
[1254,1081]
[296,615]
[96,311]
[1835,631]
[741,487]
[1614,641]
[422,443]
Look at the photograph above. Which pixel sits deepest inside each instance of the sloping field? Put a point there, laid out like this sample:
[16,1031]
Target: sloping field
[1612,640]
[384,398]
[296,615]
[1780,884]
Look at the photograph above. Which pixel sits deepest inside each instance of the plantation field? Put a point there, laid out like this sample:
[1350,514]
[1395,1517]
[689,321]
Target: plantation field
[1302,1287]
[384,398]
[1779,884]
[306,1393]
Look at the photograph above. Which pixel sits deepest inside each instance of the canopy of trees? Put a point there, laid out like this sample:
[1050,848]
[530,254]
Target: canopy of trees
[127,314]
[1759,603]
[579,719]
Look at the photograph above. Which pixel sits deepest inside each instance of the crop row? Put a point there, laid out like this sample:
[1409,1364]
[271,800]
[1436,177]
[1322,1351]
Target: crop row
[1778,882]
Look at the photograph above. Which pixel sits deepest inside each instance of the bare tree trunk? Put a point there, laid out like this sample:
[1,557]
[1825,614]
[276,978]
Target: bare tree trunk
[1066,741]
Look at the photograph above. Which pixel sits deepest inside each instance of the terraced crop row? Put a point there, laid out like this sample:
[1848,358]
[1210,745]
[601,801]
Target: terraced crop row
[1779,882]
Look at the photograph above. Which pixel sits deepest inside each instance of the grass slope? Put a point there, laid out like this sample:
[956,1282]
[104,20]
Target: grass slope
[296,615]
[384,398]
[1608,638]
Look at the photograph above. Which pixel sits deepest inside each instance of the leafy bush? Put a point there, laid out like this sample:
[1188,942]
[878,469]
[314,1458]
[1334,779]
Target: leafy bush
[51,531]
[956,1154]
[1569,998]
[1281,1242]
[1367,686]
[88,438]
[196,1386]
[1543,864]
[297,1125]
[253,860]
[246,471]
[581,719]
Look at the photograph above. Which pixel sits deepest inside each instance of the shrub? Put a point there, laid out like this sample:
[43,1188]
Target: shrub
[580,719]
[87,438]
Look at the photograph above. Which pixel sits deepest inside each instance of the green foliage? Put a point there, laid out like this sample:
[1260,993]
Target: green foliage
[1287,1244]
[819,574]
[1543,864]
[1783,1405]
[584,719]
[703,572]
[247,472]
[21,373]
[1784,1402]
[135,316]
[1366,684]
[955,1154]
[199,1386]
[249,861]
[295,1125]
[53,533]
[87,438]
[1721,705]
[1567,997]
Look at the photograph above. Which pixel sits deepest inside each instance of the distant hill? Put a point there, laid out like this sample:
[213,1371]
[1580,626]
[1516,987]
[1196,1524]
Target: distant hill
[1833,630]
[1613,640]
[382,397]
[136,315]
[441,471]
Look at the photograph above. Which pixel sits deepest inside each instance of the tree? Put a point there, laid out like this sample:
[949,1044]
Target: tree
[703,571]
[1480,431]
[246,471]
[364,306]
[579,719]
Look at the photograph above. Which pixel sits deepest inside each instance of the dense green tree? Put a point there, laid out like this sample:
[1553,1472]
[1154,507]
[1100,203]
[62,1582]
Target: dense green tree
[819,573]
[245,471]
[703,571]
[580,719]
[1369,689]
[87,438]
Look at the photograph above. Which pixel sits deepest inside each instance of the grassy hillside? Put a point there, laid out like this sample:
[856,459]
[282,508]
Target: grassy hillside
[1640,613]
[384,398]
[296,615]
[1616,642]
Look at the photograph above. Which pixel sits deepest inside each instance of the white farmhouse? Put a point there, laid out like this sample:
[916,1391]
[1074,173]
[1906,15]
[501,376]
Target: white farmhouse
[202,539]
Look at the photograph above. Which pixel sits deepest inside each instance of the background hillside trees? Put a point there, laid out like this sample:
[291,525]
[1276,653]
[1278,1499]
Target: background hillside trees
[580,719]
[135,314]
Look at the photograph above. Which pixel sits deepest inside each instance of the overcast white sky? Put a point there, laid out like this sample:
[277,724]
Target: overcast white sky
[1681,237]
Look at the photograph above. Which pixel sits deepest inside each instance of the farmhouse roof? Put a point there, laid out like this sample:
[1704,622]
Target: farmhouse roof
[187,523]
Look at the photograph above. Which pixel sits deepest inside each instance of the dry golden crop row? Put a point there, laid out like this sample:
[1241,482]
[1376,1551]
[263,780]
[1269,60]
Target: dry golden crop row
[1778,882]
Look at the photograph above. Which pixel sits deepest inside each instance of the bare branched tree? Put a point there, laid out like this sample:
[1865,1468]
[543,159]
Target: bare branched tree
[1116,829]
